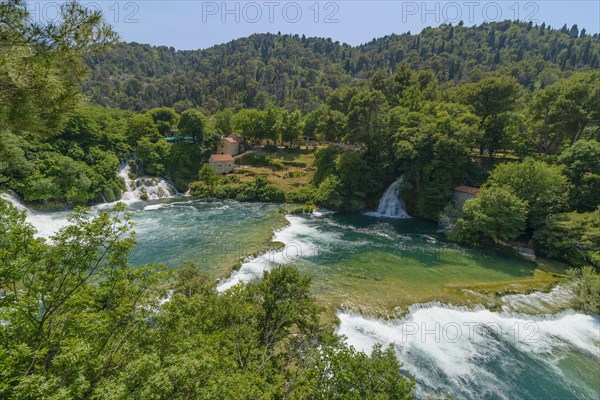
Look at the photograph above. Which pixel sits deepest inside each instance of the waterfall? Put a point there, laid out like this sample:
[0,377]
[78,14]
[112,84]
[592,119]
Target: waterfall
[391,204]
[45,223]
[144,188]
[16,203]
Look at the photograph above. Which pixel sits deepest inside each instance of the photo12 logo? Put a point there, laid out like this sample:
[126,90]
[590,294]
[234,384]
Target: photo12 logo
[125,12]
[270,11]
[471,12]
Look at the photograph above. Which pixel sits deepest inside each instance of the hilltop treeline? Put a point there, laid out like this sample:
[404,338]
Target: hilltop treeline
[297,72]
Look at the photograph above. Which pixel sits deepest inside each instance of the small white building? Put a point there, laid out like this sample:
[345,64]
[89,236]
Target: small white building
[222,163]
[229,145]
[462,194]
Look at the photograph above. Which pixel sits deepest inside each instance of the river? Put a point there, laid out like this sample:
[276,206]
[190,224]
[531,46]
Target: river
[362,265]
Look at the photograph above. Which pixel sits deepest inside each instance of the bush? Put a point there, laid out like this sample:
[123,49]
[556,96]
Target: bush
[573,237]
[260,190]
[301,196]
[225,192]
[328,194]
[109,194]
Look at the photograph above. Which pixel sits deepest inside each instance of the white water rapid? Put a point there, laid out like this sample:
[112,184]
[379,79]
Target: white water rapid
[46,223]
[144,188]
[391,204]
[474,353]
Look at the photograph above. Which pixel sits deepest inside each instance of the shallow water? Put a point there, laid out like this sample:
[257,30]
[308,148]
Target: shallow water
[377,264]
[212,234]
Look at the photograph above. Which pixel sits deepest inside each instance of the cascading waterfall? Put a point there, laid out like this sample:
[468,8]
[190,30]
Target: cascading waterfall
[45,223]
[391,204]
[16,203]
[144,188]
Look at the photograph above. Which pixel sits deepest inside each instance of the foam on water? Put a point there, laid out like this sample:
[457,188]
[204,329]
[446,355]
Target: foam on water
[470,353]
[560,297]
[44,223]
[300,240]
[149,187]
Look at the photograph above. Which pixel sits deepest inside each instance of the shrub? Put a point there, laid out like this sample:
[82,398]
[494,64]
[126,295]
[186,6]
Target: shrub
[301,196]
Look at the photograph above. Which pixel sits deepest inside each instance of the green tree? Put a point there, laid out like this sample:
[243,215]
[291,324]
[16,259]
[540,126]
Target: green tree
[142,125]
[224,122]
[165,119]
[41,63]
[364,118]
[208,179]
[291,127]
[329,193]
[542,186]
[566,111]
[494,214]
[582,168]
[573,237]
[330,125]
[153,156]
[271,124]
[192,123]
[250,124]
[490,98]
[77,312]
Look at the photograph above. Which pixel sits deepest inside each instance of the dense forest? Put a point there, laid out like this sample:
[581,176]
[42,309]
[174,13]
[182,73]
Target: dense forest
[297,72]
[490,106]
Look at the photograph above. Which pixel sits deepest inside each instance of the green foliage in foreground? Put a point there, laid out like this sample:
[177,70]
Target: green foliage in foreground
[79,322]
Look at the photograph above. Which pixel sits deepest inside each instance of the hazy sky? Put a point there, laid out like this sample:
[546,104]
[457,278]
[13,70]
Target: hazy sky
[194,24]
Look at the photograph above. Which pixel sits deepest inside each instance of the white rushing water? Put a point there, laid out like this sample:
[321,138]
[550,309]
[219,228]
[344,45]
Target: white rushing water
[46,223]
[391,204]
[298,239]
[477,353]
[559,298]
[144,188]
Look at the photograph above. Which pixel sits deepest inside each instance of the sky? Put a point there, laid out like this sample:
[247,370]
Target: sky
[196,24]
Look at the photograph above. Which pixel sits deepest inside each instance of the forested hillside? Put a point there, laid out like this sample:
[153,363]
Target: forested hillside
[299,72]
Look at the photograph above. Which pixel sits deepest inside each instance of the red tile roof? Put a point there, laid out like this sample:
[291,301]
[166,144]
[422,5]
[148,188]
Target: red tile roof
[221,157]
[467,189]
[230,139]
